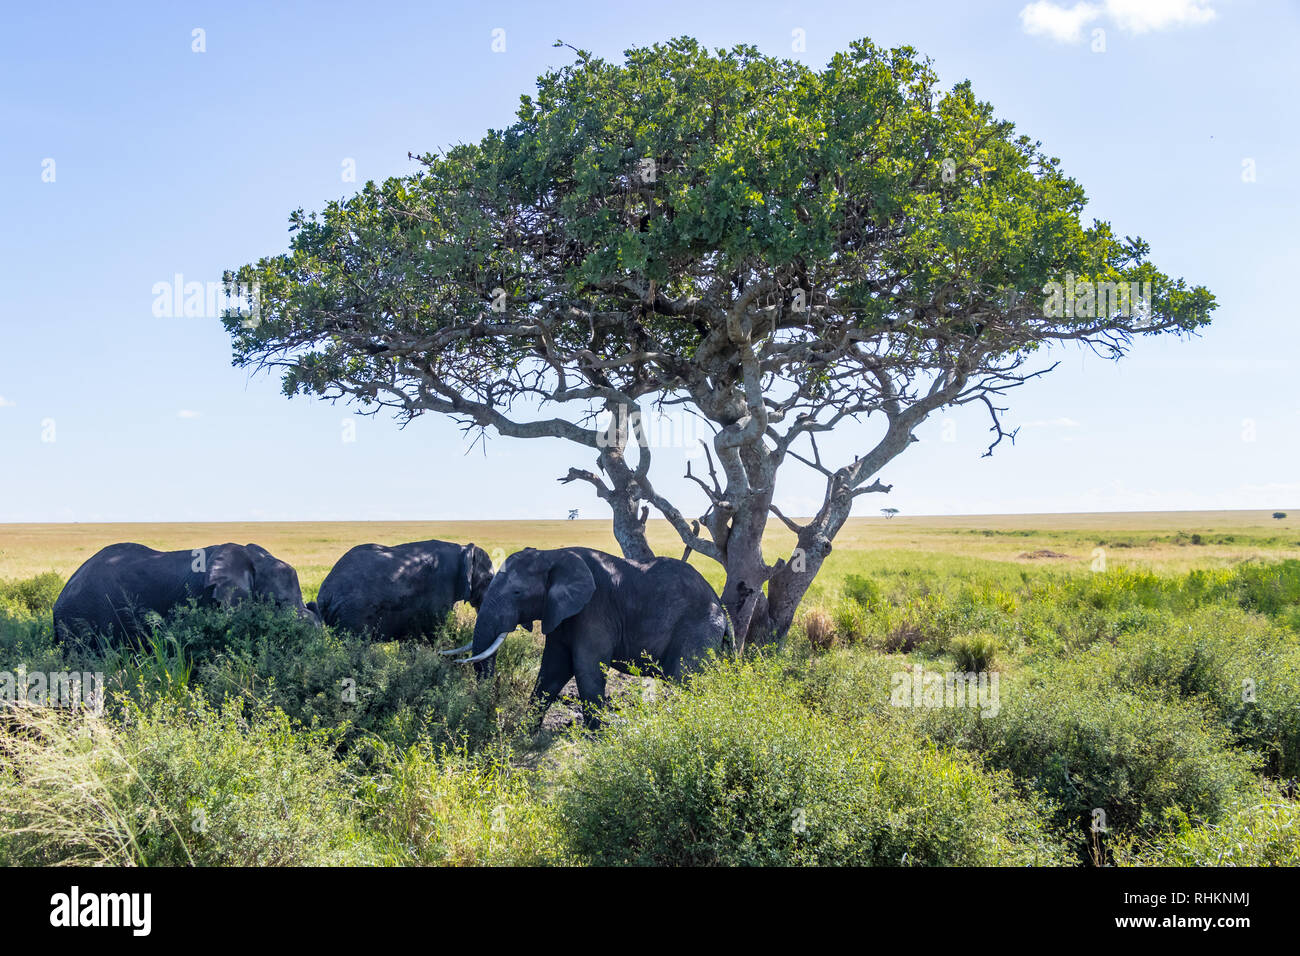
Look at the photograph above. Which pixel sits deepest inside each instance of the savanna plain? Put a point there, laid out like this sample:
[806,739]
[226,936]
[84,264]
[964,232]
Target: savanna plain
[1138,703]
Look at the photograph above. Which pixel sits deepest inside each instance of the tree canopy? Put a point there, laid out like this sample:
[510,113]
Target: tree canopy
[776,248]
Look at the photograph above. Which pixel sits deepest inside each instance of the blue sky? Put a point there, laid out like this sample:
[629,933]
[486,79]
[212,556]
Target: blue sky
[168,161]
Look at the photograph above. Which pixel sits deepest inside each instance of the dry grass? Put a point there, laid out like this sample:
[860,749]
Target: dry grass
[1162,541]
[819,628]
[60,794]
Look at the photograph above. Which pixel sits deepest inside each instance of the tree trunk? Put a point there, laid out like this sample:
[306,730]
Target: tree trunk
[743,596]
[629,526]
[747,571]
[792,578]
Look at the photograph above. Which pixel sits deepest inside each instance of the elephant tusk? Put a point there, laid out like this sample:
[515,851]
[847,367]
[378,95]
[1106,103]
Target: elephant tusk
[489,652]
[458,650]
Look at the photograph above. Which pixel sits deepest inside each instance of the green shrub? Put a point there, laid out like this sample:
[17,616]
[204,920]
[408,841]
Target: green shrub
[852,687]
[1268,588]
[161,668]
[399,691]
[174,784]
[1068,733]
[1264,831]
[735,770]
[851,621]
[864,590]
[33,596]
[28,642]
[1086,745]
[1245,669]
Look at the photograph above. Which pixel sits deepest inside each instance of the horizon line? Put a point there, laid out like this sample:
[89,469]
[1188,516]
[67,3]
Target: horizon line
[876,517]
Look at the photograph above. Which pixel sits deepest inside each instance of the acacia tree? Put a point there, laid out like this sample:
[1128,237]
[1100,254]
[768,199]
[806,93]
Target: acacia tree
[777,249]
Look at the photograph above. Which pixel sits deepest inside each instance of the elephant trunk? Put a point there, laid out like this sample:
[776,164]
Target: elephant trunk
[493,625]
[311,612]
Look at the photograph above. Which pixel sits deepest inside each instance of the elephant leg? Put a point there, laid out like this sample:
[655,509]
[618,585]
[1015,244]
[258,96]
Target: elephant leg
[591,688]
[687,659]
[556,669]
[672,667]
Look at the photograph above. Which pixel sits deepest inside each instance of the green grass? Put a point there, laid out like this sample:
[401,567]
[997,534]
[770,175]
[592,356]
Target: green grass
[1160,696]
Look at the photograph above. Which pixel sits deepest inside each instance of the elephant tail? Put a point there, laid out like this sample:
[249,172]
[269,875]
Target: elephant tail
[729,633]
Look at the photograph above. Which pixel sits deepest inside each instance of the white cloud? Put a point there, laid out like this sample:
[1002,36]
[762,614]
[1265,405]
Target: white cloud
[186,413]
[5,403]
[1144,16]
[1065,24]
[1062,24]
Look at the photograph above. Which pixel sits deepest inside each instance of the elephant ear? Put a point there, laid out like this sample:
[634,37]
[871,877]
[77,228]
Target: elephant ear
[273,578]
[230,575]
[569,588]
[263,562]
[465,573]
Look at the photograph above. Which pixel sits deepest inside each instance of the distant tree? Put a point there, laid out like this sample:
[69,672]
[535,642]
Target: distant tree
[573,514]
[780,250]
[1279,514]
[889,512]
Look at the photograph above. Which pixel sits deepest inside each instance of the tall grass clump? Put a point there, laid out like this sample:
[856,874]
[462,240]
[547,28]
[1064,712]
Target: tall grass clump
[454,808]
[173,784]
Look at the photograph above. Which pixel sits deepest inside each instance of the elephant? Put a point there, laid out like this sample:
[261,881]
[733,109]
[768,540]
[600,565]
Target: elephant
[108,596]
[404,590]
[598,610]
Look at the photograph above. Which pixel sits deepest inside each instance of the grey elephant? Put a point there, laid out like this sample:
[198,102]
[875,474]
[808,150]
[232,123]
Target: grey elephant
[597,610]
[106,600]
[403,590]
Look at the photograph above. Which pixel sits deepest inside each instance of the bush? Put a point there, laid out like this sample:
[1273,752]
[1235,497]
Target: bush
[850,622]
[399,691]
[28,642]
[1268,588]
[735,770]
[1086,745]
[1264,831]
[1244,669]
[176,784]
[32,596]
[862,589]
[1069,734]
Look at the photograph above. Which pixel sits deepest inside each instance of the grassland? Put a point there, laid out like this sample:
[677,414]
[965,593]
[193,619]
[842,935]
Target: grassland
[1167,541]
[1160,686]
